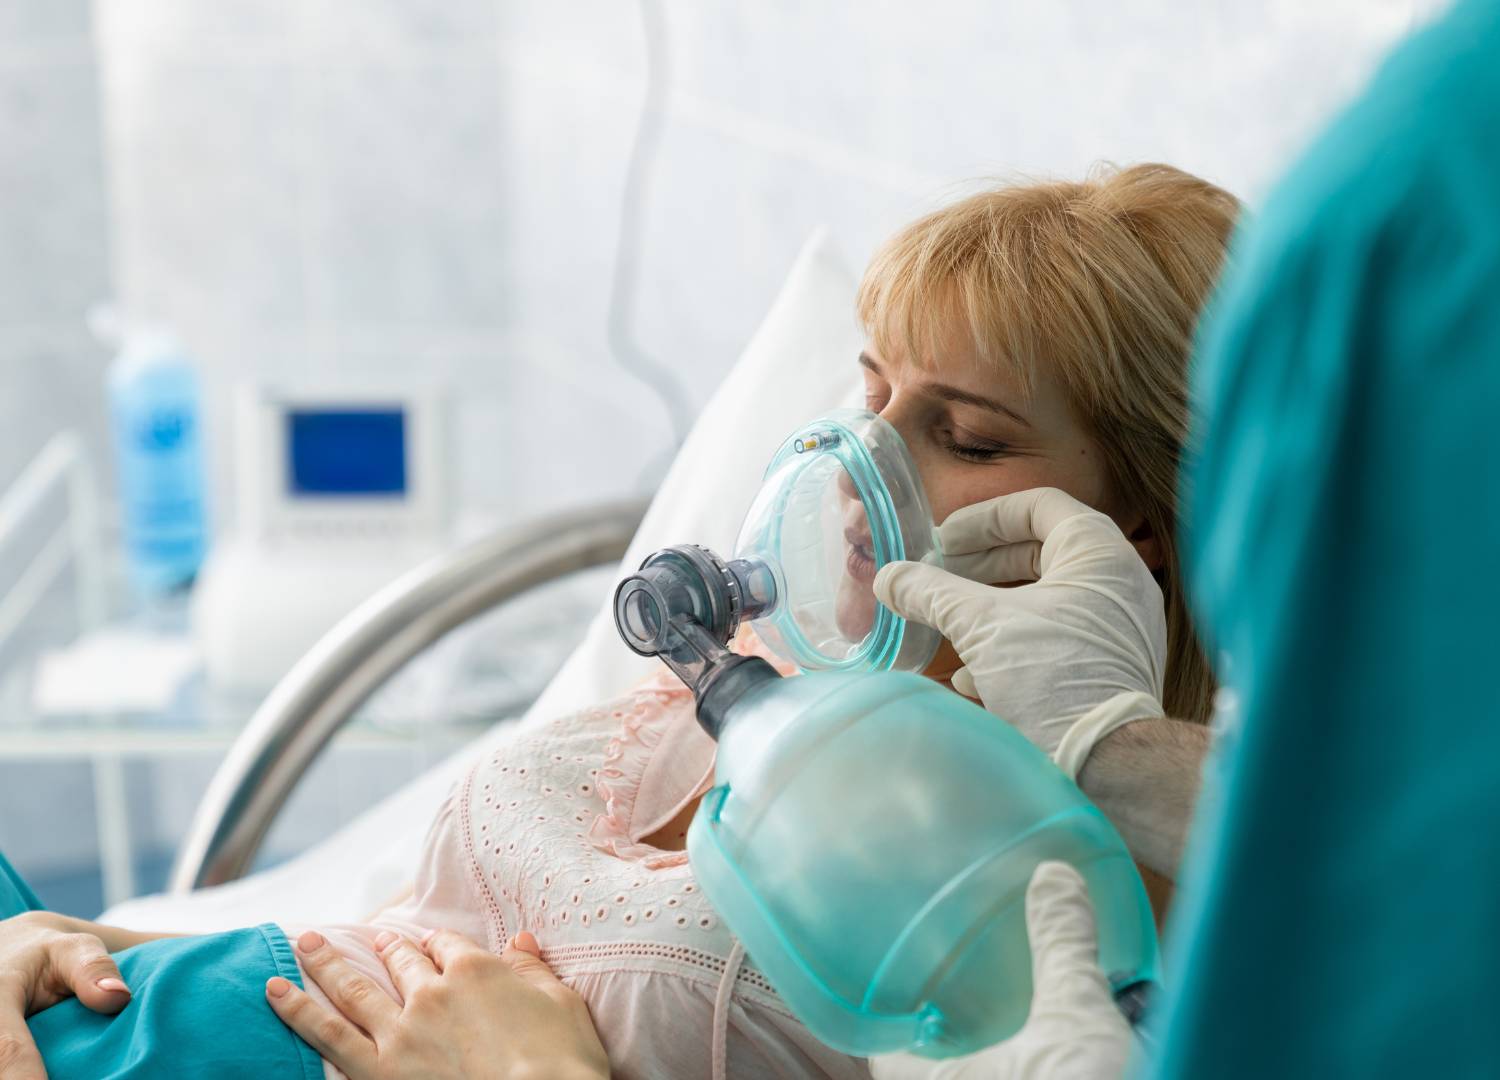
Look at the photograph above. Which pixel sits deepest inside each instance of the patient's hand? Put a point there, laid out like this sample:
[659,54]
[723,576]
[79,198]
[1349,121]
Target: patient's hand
[454,992]
[42,962]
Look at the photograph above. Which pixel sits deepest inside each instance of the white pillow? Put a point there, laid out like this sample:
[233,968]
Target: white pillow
[799,364]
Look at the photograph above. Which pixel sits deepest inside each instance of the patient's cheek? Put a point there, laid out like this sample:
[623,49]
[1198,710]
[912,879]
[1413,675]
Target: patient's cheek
[946,661]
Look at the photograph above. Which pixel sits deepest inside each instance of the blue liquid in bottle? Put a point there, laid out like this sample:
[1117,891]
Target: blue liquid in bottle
[158,443]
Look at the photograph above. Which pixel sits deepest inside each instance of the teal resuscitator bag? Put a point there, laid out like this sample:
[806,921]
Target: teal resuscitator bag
[871,834]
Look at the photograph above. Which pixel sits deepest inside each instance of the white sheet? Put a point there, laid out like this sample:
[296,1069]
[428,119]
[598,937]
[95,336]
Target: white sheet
[800,363]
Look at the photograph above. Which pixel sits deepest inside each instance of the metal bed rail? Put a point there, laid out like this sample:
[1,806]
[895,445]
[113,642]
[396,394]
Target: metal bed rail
[326,687]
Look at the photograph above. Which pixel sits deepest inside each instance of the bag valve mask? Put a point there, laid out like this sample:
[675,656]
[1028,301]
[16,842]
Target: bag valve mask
[870,834]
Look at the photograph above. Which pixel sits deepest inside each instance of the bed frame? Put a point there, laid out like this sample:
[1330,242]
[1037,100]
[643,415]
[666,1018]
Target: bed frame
[320,694]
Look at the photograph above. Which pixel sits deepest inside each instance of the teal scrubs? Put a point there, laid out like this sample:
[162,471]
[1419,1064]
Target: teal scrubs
[198,1009]
[1339,913]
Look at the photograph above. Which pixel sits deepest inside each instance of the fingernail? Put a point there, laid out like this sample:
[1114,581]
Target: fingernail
[277,986]
[428,936]
[114,986]
[310,941]
[526,943]
[382,939]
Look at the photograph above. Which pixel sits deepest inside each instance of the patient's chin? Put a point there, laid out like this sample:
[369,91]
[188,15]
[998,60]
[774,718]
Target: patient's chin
[854,609]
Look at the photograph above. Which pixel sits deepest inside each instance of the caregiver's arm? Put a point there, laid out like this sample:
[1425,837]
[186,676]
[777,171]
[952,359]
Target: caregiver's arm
[1145,777]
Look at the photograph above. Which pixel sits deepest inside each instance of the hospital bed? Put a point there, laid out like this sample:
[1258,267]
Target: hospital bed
[800,363]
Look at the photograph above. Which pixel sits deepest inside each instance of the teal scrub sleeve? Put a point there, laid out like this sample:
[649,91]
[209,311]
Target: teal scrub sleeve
[197,1009]
[1339,910]
[16,897]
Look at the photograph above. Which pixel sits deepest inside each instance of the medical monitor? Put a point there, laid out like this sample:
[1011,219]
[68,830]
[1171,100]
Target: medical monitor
[331,463]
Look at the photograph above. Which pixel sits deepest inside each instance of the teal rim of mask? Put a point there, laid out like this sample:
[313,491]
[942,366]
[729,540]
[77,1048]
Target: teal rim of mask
[800,525]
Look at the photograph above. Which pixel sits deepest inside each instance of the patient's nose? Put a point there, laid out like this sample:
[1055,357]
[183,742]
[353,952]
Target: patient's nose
[846,486]
[905,418]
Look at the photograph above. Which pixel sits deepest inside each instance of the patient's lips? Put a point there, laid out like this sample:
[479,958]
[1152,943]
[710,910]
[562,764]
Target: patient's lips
[855,609]
[860,559]
[854,612]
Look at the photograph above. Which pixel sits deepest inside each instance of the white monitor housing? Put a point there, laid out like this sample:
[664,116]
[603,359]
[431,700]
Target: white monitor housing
[340,465]
[340,490]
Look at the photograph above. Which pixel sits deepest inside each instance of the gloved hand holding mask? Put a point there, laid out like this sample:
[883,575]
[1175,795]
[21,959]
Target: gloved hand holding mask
[1075,653]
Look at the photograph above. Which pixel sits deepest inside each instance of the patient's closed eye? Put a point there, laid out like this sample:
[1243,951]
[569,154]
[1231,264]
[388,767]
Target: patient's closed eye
[972,449]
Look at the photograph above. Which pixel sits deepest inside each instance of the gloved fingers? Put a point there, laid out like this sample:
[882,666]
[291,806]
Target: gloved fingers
[1074,1029]
[933,597]
[1064,942]
[964,683]
[1008,519]
[999,565]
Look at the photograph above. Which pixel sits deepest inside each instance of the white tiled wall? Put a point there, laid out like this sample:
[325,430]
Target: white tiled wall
[53,225]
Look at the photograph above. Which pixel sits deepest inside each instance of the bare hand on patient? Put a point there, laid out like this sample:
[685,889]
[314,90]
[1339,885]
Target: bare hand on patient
[467,1013]
[43,961]
[1067,658]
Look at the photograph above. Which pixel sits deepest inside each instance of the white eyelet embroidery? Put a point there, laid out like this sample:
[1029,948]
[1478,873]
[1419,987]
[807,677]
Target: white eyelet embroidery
[530,811]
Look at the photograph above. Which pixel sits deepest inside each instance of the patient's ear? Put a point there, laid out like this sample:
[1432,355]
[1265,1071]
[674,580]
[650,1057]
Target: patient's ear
[1147,545]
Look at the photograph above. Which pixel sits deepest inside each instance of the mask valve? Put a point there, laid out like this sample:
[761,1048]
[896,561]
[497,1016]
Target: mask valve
[685,605]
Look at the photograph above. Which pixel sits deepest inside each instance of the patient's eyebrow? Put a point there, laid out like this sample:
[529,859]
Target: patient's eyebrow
[957,396]
[964,397]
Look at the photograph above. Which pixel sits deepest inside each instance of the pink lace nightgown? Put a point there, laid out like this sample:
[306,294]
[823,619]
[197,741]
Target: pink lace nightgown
[546,834]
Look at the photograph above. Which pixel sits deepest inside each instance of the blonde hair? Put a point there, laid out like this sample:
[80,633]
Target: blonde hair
[1102,282]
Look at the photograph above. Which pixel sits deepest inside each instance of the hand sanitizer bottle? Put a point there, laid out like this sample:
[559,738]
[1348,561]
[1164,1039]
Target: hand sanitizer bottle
[158,444]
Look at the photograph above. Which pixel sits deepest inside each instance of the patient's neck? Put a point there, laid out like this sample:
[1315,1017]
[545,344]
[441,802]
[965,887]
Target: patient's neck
[673,835]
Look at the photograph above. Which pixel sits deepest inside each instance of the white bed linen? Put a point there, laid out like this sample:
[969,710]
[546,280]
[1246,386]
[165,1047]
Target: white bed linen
[800,363]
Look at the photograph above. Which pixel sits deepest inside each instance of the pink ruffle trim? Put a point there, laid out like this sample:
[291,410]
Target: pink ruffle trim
[627,755]
[624,767]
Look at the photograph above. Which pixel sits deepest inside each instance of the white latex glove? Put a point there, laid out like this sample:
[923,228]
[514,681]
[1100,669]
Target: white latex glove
[1067,658]
[1075,1031]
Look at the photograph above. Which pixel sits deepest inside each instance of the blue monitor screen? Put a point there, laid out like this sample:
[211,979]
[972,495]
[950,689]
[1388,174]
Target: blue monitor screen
[359,452]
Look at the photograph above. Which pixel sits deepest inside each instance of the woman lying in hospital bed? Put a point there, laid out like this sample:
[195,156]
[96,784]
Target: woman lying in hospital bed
[1031,336]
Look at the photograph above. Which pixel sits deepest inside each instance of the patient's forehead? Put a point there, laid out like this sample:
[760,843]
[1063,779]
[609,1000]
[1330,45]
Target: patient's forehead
[950,355]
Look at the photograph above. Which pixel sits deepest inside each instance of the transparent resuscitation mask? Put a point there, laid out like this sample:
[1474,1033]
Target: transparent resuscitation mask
[841,498]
